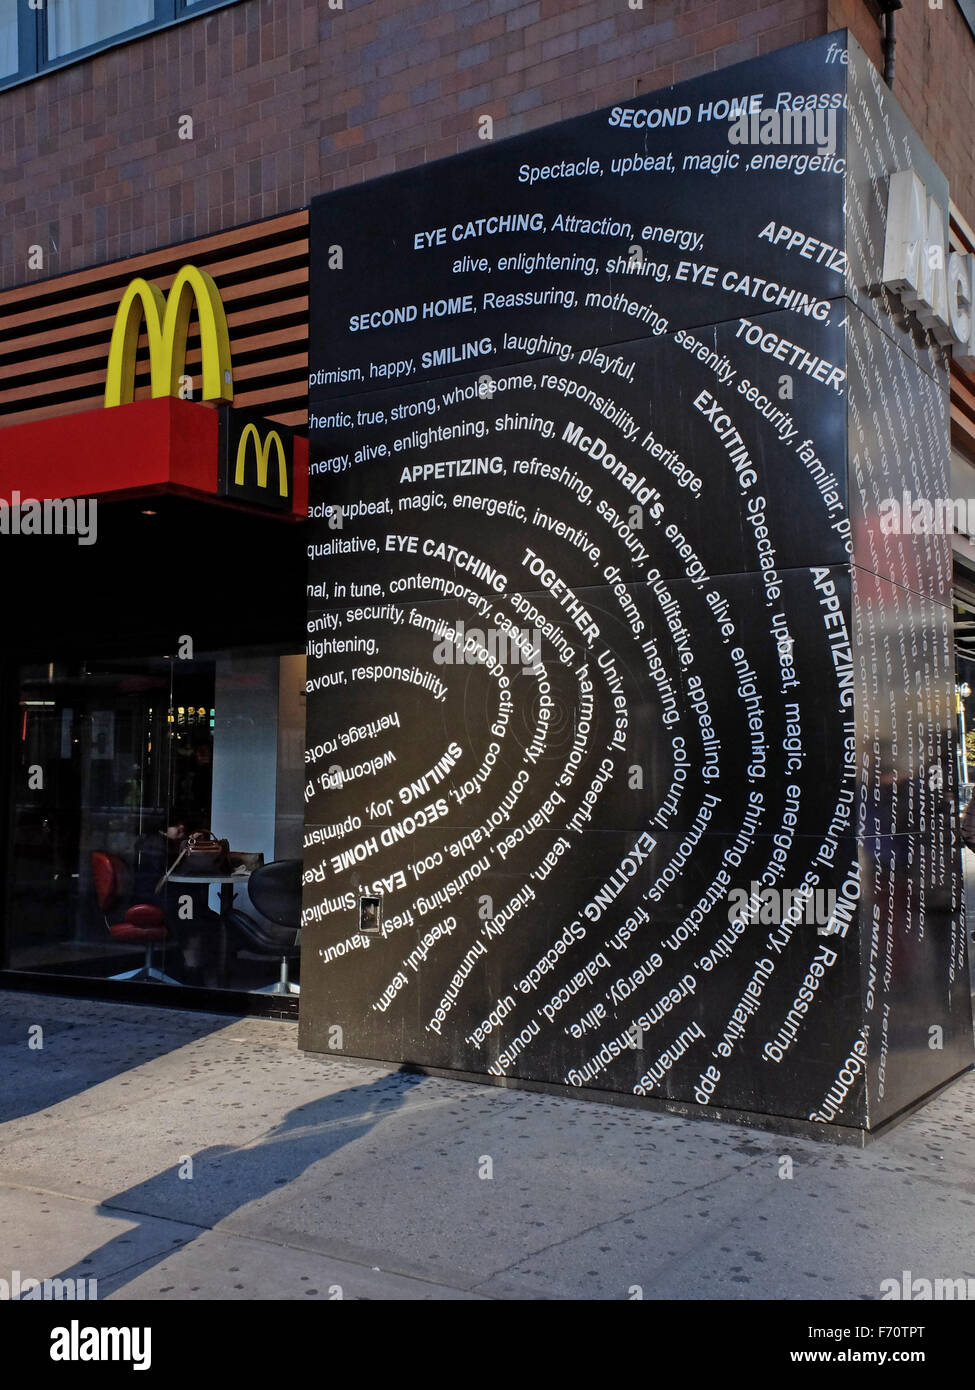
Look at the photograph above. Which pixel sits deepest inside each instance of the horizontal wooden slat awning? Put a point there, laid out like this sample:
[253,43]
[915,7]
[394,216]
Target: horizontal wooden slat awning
[962,384]
[55,333]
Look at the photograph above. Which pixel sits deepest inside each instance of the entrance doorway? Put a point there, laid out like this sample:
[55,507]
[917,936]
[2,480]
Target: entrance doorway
[119,763]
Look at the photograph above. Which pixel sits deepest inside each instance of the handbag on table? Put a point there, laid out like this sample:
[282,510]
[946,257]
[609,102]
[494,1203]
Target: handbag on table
[202,854]
[205,854]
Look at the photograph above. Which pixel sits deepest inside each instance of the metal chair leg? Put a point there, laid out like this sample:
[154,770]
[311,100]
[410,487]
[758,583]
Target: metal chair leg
[284,985]
[147,972]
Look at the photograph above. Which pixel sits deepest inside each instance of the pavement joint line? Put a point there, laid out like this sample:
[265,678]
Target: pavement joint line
[228,1231]
[7,1185]
[611,1220]
[134,1264]
[95,1205]
[226,1227]
[343,1259]
[307,1250]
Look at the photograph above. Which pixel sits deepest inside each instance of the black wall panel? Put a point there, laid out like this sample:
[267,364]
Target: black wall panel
[632,408]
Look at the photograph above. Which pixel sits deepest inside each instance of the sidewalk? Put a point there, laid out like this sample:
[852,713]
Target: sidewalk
[313,1175]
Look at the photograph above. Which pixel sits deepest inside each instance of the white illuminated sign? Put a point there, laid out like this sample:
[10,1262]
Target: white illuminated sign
[935,284]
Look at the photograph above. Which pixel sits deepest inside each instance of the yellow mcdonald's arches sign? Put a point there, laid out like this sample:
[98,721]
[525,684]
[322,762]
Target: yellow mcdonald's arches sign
[167,320]
[257,460]
[262,450]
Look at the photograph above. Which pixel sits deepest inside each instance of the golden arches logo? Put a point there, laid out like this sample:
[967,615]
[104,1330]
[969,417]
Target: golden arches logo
[262,450]
[167,320]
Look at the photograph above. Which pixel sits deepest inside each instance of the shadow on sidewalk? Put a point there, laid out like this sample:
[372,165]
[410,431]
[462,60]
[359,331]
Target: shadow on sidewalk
[225,1179]
[79,1053]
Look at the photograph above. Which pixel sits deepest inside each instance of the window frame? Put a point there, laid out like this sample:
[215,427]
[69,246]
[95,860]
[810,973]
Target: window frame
[33,61]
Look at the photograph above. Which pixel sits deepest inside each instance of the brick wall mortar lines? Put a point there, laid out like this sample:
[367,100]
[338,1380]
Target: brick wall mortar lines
[290,100]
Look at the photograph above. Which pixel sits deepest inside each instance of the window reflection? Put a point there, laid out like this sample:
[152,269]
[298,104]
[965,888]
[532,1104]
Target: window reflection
[72,26]
[119,763]
[8,38]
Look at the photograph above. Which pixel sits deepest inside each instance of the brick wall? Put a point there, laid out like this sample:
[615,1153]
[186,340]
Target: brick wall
[934,80]
[289,98]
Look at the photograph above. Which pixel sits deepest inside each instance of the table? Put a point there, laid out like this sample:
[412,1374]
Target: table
[226,882]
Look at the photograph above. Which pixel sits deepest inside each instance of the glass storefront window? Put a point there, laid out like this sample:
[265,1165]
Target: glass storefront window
[118,763]
[964,628]
[964,624]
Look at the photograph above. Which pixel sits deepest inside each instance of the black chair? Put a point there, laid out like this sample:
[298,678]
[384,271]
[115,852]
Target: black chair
[275,890]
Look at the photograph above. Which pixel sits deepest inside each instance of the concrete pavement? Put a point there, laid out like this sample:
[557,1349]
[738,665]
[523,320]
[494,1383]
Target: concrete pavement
[173,1155]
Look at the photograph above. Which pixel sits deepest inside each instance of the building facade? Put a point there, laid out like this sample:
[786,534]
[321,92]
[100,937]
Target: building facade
[156,684]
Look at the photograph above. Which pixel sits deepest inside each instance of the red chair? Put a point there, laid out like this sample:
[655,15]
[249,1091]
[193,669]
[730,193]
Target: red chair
[142,924]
